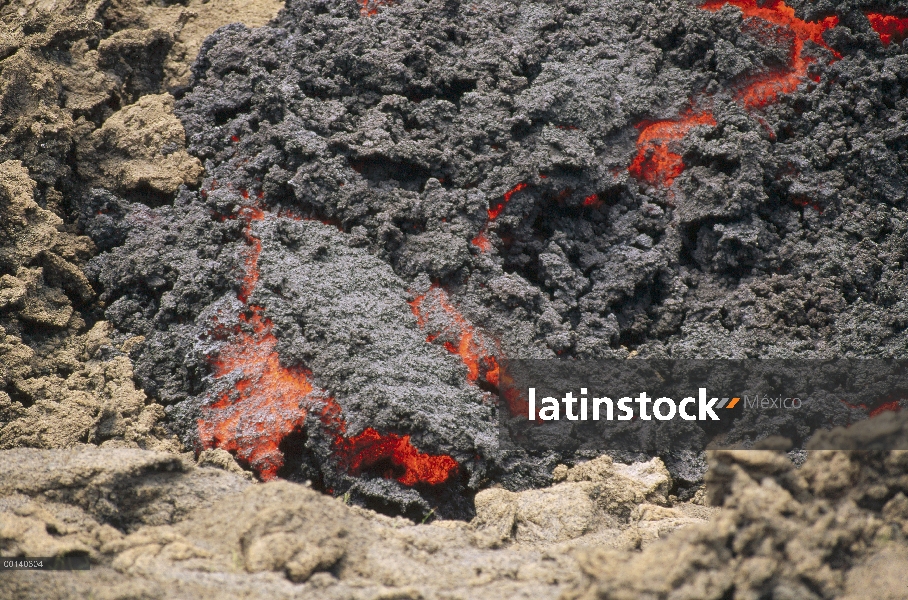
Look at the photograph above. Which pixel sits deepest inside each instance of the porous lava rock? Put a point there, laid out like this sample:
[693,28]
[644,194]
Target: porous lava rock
[814,532]
[156,525]
[83,103]
[583,180]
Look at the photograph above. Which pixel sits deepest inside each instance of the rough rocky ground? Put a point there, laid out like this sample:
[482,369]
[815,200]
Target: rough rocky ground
[805,259]
[158,526]
[84,89]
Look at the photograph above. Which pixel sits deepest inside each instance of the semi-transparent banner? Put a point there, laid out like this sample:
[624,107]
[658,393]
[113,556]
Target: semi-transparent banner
[659,407]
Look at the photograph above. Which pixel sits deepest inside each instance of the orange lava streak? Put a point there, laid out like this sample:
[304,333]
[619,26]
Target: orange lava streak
[457,335]
[592,201]
[481,240]
[270,401]
[890,28]
[251,276]
[266,404]
[765,89]
[369,8]
[892,406]
[654,162]
[496,210]
[887,407]
[404,462]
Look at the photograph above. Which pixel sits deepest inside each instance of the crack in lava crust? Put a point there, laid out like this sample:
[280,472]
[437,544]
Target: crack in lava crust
[654,162]
[270,401]
[434,312]
[657,165]
[762,90]
[481,240]
[369,8]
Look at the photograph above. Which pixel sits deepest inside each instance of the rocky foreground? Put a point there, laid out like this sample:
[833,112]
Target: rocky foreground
[159,525]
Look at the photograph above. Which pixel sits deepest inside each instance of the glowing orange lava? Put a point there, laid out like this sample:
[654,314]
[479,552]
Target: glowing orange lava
[654,162]
[448,326]
[265,405]
[496,210]
[251,276]
[402,461]
[592,201]
[886,407]
[269,401]
[890,28]
[369,8]
[891,406]
[764,89]
[481,240]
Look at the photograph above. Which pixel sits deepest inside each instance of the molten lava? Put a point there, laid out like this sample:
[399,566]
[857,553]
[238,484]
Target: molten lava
[592,201]
[890,28]
[451,329]
[890,406]
[762,90]
[496,210]
[269,401]
[369,8]
[654,162]
[266,404]
[893,406]
[481,240]
[403,462]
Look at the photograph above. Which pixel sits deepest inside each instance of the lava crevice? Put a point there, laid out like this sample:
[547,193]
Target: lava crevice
[268,401]
[481,240]
[447,326]
[655,163]
[764,89]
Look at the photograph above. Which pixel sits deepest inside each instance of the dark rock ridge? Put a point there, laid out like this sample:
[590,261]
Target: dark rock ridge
[581,179]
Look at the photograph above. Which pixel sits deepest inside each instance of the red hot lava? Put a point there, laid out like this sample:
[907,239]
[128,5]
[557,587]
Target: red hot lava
[369,8]
[269,401]
[765,89]
[890,28]
[890,406]
[654,162]
[481,240]
[448,326]
[406,464]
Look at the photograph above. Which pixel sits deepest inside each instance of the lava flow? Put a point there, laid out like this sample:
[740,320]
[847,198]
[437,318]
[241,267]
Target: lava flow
[369,8]
[890,28]
[654,162]
[764,89]
[481,240]
[890,406]
[448,326]
[404,462]
[270,401]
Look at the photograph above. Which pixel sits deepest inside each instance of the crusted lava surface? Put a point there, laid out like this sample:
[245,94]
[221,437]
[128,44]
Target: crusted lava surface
[401,195]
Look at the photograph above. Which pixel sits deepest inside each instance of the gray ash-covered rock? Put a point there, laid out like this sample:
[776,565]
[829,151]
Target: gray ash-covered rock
[488,149]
